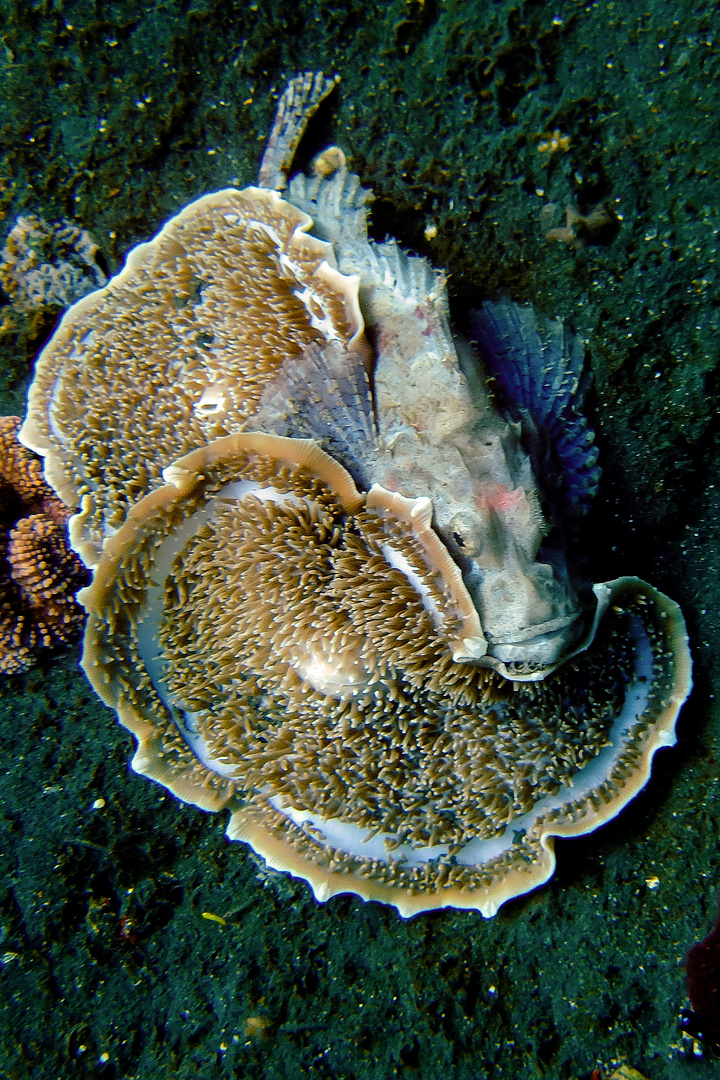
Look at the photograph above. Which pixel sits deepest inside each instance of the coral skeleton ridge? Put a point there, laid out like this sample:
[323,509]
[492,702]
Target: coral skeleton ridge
[333,586]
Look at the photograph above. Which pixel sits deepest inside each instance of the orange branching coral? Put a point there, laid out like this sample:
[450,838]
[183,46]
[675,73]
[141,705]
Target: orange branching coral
[39,574]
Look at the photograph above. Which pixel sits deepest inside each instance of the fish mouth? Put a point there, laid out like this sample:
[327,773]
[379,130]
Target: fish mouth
[538,648]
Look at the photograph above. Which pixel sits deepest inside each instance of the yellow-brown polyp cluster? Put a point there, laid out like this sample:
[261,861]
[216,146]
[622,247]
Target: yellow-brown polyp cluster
[288,646]
[175,350]
[248,624]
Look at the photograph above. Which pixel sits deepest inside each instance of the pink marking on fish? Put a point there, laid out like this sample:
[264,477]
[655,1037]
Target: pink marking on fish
[500,499]
[419,313]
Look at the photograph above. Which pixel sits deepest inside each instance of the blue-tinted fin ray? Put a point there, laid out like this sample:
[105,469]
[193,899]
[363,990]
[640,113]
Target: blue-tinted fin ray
[539,371]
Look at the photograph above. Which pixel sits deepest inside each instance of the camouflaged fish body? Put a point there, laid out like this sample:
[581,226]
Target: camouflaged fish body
[437,432]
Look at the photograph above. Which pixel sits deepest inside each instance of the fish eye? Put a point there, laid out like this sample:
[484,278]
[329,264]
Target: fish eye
[458,539]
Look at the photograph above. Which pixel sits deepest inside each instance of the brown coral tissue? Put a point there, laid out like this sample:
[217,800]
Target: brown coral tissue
[703,981]
[39,574]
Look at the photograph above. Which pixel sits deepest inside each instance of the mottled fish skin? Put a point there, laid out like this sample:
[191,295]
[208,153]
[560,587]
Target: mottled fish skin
[440,436]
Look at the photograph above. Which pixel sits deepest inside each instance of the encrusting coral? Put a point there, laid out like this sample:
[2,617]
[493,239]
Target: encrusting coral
[45,266]
[326,594]
[39,573]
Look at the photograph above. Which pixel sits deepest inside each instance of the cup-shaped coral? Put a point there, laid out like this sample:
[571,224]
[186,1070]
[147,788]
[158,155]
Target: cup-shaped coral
[282,645]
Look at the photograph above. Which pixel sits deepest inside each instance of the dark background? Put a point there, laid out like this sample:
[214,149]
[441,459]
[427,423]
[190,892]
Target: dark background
[115,117]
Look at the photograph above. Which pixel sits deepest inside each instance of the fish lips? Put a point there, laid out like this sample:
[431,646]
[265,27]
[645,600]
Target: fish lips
[543,645]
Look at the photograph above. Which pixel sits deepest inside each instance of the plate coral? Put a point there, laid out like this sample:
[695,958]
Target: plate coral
[334,588]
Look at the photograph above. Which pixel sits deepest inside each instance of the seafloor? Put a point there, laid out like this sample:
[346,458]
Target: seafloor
[115,116]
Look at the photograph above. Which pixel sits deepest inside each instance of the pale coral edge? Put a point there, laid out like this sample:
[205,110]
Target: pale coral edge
[36,430]
[183,475]
[181,479]
[280,855]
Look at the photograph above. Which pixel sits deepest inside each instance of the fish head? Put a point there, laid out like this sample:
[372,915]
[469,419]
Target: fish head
[530,611]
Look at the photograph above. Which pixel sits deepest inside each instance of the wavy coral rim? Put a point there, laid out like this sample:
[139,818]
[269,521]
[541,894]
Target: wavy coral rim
[514,882]
[417,515]
[36,432]
[183,476]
